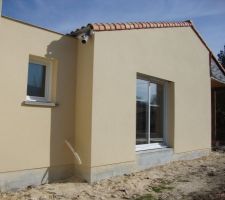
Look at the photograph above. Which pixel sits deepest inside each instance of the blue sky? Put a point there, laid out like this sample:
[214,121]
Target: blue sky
[67,15]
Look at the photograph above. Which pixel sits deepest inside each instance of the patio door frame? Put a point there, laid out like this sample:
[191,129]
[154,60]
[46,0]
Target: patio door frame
[164,84]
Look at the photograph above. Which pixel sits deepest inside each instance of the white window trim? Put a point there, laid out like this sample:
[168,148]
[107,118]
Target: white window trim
[150,146]
[48,79]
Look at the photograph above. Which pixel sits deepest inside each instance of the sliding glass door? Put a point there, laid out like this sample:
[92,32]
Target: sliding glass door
[142,112]
[149,112]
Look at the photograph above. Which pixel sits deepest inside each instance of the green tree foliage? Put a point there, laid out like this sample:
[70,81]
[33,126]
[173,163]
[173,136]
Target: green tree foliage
[221,56]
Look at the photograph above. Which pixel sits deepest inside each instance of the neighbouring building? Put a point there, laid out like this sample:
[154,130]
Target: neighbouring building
[218,105]
[105,100]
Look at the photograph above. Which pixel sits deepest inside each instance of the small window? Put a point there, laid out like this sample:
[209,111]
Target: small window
[39,80]
[36,80]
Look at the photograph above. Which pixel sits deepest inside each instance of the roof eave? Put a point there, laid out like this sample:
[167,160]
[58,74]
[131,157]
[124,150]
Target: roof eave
[204,43]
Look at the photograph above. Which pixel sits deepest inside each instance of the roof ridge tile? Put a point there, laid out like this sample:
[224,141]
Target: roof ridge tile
[137,25]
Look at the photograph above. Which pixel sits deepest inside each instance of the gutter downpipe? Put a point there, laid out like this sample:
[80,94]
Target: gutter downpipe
[75,154]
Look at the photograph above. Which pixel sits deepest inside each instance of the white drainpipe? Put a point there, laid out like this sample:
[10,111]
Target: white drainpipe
[75,154]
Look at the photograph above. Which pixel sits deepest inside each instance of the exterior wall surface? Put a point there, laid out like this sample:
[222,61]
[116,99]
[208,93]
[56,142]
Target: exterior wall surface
[96,95]
[83,106]
[173,54]
[33,137]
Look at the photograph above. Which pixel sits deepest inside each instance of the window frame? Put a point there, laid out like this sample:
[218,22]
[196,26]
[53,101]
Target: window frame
[164,83]
[48,79]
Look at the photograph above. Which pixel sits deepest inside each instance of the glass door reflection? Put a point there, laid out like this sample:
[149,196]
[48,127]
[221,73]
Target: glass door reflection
[149,112]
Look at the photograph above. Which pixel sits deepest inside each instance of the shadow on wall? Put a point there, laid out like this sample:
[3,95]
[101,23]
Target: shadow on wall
[62,116]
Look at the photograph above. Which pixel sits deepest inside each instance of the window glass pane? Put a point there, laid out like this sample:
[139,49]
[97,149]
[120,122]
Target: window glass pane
[153,92]
[142,105]
[36,80]
[156,93]
[156,115]
[156,124]
[142,90]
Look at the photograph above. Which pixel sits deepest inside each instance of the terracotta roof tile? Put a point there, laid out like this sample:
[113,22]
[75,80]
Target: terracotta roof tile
[117,26]
[171,24]
[131,25]
[149,25]
[144,25]
[137,25]
[123,27]
[127,26]
[101,27]
[112,27]
[94,27]
[160,25]
[107,27]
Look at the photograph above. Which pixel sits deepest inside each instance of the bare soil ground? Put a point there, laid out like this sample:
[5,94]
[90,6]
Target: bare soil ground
[200,179]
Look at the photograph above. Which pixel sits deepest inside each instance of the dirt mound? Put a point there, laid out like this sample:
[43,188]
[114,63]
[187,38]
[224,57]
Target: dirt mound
[200,179]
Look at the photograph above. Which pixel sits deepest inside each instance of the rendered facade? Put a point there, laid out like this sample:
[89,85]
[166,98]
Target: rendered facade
[105,100]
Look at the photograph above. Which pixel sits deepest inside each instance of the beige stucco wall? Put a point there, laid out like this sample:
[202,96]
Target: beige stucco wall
[96,93]
[173,54]
[33,137]
[83,106]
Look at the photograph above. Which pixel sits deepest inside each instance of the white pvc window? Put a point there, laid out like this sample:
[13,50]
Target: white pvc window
[150,114]
[39,80]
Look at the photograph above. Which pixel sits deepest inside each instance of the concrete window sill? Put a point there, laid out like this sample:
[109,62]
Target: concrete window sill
[145,147]
[165,149]
[39,104]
